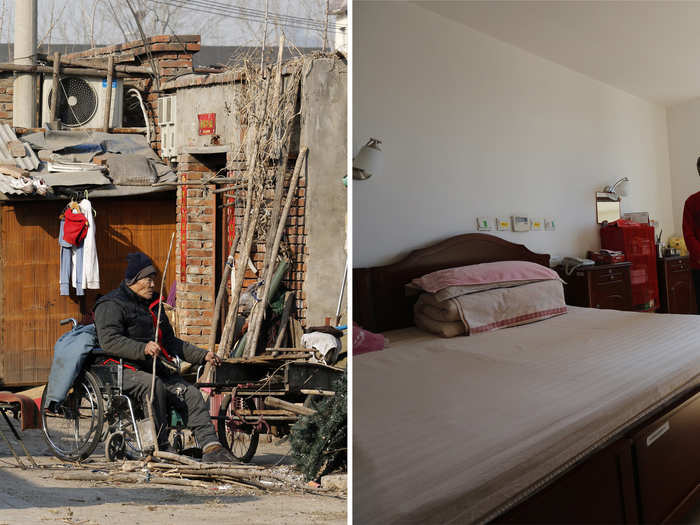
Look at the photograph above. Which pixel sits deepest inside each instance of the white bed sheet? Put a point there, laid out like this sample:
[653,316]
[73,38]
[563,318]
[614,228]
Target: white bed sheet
[454,430]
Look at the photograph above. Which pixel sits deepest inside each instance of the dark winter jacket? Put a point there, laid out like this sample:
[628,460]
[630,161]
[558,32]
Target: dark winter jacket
[124,325]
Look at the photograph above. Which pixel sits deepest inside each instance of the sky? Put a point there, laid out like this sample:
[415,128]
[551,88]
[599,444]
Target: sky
[221,22]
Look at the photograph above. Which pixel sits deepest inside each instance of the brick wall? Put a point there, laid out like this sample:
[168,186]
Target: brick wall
[196,234]
[6,91]
[196,292]
[294,239]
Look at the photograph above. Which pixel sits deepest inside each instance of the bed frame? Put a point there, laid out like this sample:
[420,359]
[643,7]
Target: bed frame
[627,481]
[380,301]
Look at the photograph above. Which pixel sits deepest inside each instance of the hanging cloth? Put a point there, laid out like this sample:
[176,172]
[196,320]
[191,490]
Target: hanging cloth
[76,226]
[67,254]
[91,267]
[71,254]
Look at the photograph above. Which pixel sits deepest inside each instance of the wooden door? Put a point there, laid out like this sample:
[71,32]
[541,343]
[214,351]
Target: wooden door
[30,304]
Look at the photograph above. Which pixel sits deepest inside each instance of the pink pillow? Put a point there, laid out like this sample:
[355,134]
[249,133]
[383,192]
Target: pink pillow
[485,273]
[364,341]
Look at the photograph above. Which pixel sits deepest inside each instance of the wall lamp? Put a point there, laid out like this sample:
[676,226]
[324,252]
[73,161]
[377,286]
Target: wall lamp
[619,189]
[368,161]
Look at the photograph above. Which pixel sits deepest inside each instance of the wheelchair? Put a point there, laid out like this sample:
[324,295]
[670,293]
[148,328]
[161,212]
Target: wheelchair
[96,410]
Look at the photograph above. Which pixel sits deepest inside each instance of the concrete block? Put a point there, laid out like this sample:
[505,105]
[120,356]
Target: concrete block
[335,482]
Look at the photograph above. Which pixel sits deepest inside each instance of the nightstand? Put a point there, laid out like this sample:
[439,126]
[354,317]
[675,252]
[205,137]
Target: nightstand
[599,286]
[675,285]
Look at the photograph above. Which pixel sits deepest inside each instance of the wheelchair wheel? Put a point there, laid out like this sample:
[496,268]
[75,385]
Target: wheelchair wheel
[114,446]
[75,428]
[119,422]
[240,439]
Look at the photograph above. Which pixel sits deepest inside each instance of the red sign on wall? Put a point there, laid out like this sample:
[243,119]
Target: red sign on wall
[207,123]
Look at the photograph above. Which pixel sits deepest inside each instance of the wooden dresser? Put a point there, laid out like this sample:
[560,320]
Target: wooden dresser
[604,286]
[675,285]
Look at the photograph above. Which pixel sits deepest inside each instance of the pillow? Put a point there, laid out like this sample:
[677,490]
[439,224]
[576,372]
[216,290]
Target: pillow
[485,274]
[364,341]
[445,311]
[450,292]
[503,307]
[440,328]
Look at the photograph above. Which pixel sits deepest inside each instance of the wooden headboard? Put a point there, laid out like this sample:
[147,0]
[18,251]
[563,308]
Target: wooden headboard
[380,301]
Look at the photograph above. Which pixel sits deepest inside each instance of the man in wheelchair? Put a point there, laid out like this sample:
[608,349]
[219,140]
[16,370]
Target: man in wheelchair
[125,322]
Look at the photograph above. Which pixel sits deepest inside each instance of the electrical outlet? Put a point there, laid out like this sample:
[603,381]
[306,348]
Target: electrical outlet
[549,225]
[502,223]
[537,225]
[520,223]
[484,224]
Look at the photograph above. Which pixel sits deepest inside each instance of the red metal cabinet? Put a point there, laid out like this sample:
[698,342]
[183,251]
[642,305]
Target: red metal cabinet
[637,242]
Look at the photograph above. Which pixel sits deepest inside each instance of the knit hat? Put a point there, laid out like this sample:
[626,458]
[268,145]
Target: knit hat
[139,265]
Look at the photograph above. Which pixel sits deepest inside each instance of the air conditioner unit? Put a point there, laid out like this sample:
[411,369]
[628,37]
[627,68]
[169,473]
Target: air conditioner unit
[167,114]
[81,102]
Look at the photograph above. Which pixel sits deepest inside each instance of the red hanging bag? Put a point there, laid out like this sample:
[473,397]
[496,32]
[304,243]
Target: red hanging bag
[75,227]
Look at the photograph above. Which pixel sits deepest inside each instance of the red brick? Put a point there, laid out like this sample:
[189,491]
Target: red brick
[196,322]
[175,63]
[199,253]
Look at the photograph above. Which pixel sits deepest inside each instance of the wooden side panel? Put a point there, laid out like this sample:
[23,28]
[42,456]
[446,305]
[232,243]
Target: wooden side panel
[30,304]
[597,491]
[668,460]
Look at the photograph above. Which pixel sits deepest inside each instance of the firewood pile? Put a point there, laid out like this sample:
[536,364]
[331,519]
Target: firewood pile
[163,468]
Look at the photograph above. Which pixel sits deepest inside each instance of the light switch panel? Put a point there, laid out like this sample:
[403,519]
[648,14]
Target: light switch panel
[484,224]
[520,223]
[549,225]
[537,225]
[502,223]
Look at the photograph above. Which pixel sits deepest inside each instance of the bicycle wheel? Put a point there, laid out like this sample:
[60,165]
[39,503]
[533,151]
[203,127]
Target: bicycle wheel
[240,438]
[75,428]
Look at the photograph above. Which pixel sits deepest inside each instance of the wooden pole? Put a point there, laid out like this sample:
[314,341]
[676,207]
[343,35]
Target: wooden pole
[238,284]
[251,221]
[55,86]
[100,65]
[76,71]
[223,286]
[155,338]
[277,200]
[262,304]
[297,409]
[108,97]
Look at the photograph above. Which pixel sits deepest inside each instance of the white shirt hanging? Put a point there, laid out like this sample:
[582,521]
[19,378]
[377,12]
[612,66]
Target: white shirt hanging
[91,267]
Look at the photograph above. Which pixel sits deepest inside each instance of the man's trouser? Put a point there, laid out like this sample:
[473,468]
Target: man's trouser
[189,403]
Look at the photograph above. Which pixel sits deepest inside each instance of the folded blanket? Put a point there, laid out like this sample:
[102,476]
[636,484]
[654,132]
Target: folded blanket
[504,307]
[443,329]
[445,311]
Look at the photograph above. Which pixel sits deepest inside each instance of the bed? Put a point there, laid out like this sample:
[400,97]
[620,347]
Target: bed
[586,417]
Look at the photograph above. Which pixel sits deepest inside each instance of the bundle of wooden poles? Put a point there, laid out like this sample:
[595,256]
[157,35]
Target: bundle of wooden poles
[267,109]
[171,469]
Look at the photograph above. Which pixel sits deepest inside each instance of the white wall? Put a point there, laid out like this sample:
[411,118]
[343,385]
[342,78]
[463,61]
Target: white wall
[473,126]
[684,149]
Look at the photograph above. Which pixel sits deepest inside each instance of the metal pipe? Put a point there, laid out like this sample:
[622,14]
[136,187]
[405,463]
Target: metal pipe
[24,97]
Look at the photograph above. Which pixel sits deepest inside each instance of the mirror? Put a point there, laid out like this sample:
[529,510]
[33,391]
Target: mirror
[607,208]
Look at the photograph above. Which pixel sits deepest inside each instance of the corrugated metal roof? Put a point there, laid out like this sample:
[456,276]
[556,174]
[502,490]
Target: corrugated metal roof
[29,162]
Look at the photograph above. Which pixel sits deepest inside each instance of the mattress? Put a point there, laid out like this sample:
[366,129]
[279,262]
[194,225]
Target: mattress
[457,430]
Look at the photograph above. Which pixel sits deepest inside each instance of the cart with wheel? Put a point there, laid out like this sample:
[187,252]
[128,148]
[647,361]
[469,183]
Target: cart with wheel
[245,395]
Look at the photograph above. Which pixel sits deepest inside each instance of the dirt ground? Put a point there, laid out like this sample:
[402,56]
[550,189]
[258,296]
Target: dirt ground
[34,496]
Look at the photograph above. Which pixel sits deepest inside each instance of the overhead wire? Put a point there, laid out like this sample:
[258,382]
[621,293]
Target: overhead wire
[261,15]
[243,14]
